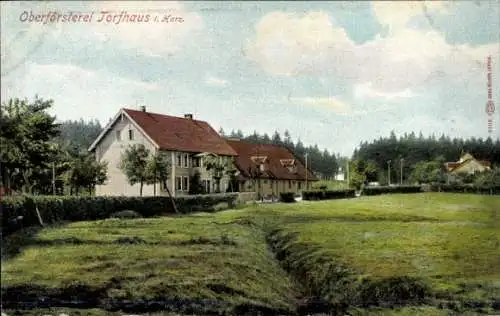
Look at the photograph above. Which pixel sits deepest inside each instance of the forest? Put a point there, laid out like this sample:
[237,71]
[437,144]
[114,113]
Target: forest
[404,154]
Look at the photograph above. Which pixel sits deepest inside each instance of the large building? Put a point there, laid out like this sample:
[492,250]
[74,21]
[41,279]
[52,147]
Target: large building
[186,141]
[269,169]
[183,139]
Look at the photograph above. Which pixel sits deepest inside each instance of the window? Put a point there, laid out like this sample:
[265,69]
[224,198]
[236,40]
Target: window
[185,184]
[265,181]
[130,134]
[179,160]
[178,183]
[118,135]
[196,162]
[186,161]
[289,184]
[300,185]
[206,185]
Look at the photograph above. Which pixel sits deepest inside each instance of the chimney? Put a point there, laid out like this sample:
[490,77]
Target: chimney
[188,116]
[143,108]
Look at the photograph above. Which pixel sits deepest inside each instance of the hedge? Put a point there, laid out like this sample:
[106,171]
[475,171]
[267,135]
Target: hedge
[328,194]
[288,197]
[465,188]
[74,208]
[389,190]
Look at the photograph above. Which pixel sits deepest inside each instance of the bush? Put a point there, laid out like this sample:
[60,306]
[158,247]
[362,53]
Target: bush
[465,188]
[55,209]
[288,197]
[328,194]
[126,214]
[389,190]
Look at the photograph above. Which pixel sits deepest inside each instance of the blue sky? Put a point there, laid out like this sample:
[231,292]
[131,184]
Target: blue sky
[332,73]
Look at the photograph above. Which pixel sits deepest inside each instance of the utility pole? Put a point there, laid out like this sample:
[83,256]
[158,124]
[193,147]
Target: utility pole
[347,175]
[401,175]
[53,178]
[307,184]
[389,172]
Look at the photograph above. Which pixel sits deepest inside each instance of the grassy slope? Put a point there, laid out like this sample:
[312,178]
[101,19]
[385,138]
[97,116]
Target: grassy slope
[451,240]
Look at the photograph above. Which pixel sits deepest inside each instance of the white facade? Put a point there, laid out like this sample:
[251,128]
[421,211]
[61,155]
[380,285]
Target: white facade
[125,133]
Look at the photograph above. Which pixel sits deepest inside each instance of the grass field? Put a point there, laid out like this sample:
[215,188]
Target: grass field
[222,261]
[451,241]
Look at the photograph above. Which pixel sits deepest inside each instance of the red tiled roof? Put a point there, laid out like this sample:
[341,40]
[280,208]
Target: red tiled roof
[183,134]
[273,166]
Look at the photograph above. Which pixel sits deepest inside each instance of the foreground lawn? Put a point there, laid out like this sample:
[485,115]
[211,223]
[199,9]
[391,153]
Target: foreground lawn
[223,260]
[185,258]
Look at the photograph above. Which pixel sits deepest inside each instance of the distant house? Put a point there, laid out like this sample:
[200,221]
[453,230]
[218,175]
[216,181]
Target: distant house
[340,176]
[467,165]
[184,139]
[269,169]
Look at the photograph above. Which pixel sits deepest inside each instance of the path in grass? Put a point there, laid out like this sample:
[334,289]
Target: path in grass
[221,262]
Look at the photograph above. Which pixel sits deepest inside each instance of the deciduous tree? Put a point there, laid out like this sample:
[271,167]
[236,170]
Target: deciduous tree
[134,164]
[25,148]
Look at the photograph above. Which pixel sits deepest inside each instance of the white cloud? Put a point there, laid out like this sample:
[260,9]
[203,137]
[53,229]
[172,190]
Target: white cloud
[397,14]
[287,44]
[216,82]
[366,91]
[78,92]
[330,103]
[310,45]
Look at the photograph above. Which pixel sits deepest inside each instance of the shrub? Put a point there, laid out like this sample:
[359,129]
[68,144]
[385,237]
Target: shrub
[288,197]
[389,190]
[466,188]
[328,195]
[55,209]
[126,214]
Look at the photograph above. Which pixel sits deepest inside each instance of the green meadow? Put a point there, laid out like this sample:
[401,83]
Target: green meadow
[401,254]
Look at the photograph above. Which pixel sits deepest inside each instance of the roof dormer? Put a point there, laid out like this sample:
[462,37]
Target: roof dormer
[290,164]
[259,160]
[287,162]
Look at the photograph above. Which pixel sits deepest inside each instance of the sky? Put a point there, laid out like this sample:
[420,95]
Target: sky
[331,73]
